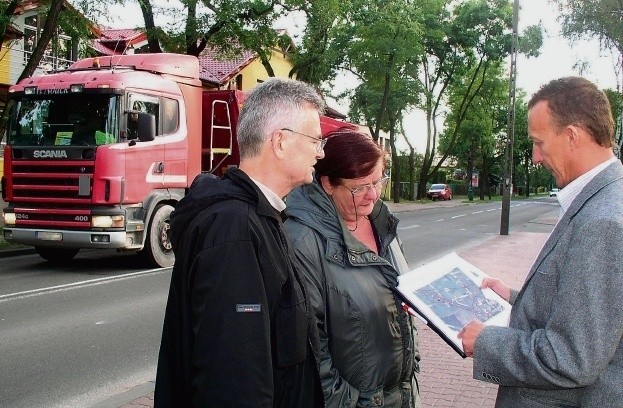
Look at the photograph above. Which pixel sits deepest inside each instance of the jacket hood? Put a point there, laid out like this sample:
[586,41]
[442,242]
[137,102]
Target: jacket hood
[312,207]
[205,190]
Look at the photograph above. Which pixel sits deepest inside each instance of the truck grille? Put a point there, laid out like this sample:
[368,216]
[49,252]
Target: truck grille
[52,194]
[52,182]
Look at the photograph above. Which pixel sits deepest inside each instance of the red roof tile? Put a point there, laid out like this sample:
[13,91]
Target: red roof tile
[219,71]
[211,68]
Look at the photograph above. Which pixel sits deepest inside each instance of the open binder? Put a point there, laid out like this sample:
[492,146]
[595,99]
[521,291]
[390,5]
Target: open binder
[446,295]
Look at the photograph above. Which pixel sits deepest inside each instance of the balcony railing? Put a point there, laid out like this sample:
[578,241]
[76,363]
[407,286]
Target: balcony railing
[49,62]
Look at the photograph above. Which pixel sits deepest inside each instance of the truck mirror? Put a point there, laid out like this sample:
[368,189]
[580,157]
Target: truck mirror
[146,127]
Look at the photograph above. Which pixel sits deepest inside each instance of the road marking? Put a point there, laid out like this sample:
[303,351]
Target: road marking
[409,227]
[97,281]
[492,209]
[457,216]
[478,212]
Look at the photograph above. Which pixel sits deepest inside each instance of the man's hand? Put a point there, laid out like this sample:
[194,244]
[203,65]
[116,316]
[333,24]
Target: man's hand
[468,335]
[498,287]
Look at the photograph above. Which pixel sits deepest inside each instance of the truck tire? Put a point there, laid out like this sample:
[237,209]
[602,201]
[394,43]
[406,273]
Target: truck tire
[157,250]
[57,256]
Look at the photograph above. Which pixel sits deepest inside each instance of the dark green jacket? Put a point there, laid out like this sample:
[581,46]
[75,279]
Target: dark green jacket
[369,353]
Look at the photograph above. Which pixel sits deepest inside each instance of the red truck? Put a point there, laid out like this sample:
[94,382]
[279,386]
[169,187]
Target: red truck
[98,155]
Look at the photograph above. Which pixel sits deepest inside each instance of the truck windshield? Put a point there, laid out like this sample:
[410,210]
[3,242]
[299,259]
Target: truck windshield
[79,119]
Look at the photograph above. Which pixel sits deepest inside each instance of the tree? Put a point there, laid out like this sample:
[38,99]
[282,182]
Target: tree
[481,130]
[470,37]
[379,39]
[7,12]
[602,19]
[317,59]
[466,39]
[229,25]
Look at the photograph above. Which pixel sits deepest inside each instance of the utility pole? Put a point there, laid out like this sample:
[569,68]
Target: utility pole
[510,125]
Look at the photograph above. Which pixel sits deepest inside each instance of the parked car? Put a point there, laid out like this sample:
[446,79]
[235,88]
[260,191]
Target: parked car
[554,192]
[439,192]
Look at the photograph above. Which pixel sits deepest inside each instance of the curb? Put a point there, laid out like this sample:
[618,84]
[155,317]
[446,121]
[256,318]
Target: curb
[129,396]
[6,253]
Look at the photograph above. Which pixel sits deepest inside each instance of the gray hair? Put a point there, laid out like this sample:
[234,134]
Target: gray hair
[270,106]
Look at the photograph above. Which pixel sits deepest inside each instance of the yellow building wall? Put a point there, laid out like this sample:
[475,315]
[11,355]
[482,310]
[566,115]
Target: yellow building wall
[5,64]
[255,72]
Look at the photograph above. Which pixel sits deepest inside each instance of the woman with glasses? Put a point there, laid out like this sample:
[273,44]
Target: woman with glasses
[349,255]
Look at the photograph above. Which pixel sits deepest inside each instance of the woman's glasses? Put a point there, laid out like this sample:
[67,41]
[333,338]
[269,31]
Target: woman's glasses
[363,190]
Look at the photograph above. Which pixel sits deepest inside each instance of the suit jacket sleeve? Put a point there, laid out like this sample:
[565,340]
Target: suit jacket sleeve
[568,323]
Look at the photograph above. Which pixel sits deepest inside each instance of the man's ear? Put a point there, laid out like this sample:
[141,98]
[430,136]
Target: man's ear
[278,143]
[575,136]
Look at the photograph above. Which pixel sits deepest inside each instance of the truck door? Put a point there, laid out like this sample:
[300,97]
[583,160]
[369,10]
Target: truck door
[145,160]
[176,155]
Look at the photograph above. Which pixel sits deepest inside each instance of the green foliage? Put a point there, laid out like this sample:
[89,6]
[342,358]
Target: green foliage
[593,18]
[319,58]
[378,41]
[531,40]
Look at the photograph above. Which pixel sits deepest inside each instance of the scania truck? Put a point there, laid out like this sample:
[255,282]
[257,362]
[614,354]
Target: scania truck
[98,155]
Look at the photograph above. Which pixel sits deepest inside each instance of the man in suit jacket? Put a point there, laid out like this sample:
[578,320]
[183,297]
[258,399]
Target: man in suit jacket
[564,343]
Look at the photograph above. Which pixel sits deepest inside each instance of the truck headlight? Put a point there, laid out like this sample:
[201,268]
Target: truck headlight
[9,218]
[107,221]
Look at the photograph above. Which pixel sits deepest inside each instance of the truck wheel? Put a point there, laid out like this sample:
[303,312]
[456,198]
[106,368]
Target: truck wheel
[57,256]
[157,250]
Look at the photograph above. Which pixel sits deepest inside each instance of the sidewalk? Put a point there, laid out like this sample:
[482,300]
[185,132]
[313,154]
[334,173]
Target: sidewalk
[446,379]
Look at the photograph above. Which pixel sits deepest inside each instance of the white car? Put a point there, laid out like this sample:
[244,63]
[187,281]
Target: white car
[554,192]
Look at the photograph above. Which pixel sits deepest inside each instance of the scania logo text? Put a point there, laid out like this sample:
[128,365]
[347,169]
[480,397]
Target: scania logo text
[47,154]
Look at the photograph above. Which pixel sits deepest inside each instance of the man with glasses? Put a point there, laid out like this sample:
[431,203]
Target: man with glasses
[346,242]
[236,330]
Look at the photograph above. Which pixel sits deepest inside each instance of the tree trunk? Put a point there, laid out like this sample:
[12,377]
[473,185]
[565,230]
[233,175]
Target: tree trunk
[383,107]
[395,165]
[150,27]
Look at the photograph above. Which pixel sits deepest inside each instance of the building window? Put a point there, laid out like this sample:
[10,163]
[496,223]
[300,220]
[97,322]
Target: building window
[59,53]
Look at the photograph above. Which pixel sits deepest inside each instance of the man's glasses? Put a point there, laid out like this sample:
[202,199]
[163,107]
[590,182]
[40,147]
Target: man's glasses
[363,190]
[320,143]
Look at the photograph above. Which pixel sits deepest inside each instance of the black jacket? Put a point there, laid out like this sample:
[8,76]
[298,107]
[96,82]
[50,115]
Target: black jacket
[236,329]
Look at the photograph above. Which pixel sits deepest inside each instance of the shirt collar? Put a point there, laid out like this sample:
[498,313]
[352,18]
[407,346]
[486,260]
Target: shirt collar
[270,195]
[567,194]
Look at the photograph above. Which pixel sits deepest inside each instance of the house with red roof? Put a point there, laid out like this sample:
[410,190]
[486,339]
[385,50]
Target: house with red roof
[242,72]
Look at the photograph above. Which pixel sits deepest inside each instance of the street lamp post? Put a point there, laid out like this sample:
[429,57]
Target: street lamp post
[508,173]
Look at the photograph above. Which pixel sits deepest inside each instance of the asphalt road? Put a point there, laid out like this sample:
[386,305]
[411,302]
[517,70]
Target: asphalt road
[71,337]
[76,335]
[429,234]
